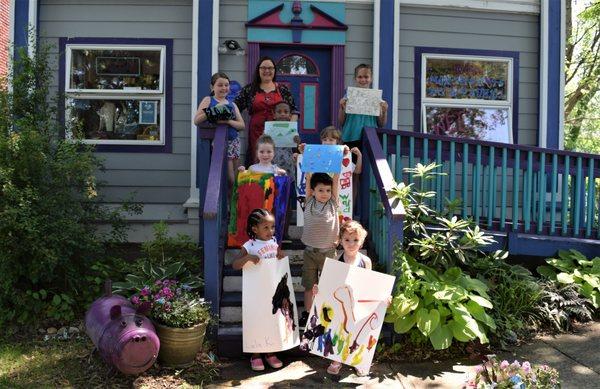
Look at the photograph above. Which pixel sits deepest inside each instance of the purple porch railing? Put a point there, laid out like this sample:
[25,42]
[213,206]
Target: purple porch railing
[214,213]
[383,218]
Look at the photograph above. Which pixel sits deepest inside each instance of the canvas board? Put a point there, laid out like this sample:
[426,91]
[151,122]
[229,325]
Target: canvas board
[363,101]
[283,133]
[269,313]
[347,314]
[322,158]
[345,189]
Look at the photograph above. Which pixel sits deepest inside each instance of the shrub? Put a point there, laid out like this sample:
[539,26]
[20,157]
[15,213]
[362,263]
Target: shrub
[442,306]
[572,267]
[505,375]
[561,304]
[49,204]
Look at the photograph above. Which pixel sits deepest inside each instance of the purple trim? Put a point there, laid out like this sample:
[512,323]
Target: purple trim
[253,57]
[257,21]
[474,52]
[316,119]
[168,86]
[301,55]
[337,80]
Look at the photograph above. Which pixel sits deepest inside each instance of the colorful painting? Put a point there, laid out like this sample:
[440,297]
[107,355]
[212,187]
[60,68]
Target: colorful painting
[257,190]
[269,312]
[283,133]
[300,192]
[322,158]
[363,101]
[345,189]
[347,314]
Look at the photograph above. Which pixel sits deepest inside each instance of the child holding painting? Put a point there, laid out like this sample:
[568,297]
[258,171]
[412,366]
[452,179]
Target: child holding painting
[352,124]
[265,152]
[284,155]
[262,246]
[219,87]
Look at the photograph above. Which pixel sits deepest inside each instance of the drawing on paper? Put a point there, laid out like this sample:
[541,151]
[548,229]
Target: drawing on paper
[283,133]
[347,314]
[363,101]
[322,158]
[282,304]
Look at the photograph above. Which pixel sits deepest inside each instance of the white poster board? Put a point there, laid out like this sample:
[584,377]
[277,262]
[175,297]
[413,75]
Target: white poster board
[300,192]
[345,188]
[283,133]
[347,314]
[269,313]
[363,101]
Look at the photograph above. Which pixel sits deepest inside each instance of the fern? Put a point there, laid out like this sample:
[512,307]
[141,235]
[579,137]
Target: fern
[560,305]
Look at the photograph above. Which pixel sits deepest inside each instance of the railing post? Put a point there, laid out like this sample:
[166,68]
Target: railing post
[395,235]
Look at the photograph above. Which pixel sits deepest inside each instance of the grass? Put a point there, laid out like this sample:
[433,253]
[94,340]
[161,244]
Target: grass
[28,361]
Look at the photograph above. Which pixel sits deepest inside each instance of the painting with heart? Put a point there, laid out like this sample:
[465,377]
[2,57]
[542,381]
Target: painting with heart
[345,189]
[347,314]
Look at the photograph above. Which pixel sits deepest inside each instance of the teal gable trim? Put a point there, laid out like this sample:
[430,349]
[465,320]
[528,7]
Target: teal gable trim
[273,35]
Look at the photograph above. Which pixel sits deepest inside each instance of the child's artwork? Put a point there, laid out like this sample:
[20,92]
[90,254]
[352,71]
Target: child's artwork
[363,101]
[300,192]
[345,189]
[347,314]
[269,313]
[322,158]
[283,133]
[219,112]
[256,190]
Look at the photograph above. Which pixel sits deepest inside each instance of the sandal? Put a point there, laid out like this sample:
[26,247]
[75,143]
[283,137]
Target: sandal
[257,364]
[273,361]
[334,368]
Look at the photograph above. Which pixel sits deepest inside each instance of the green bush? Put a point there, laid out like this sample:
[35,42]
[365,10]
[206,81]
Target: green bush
[572,267]
[561,304]
[442,306]
[50,248]
[163,250]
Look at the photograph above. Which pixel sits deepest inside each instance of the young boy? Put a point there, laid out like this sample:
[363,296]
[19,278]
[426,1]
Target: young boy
[284,155]
[320,233]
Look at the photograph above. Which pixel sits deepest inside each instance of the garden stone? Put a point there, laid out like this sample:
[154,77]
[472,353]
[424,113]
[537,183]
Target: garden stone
[41,331]
[73,330]
[62,332]
[51,331]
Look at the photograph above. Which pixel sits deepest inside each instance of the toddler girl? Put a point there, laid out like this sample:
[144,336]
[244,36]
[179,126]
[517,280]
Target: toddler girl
[262,246]
[265,152]
[219,86]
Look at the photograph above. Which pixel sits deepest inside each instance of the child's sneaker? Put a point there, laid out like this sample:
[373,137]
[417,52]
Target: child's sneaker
[257,364]
[273,361]
[303,320]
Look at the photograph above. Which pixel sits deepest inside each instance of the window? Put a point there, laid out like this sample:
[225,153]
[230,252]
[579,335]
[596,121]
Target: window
[296,65]
[117,94]
[467,96]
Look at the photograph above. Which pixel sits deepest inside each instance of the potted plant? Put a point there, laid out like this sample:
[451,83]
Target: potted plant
[180,317]
[516,375]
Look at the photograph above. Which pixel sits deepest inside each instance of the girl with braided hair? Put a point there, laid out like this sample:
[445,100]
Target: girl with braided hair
[262,246]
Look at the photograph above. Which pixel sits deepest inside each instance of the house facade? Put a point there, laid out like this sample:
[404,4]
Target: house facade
[134,71]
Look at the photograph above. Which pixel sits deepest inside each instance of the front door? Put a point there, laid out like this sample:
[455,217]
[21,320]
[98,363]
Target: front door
[306,71]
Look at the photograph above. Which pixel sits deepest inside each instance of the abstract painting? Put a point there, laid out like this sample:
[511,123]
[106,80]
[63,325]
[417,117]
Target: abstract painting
[322,158]
[283,133]
[347,314]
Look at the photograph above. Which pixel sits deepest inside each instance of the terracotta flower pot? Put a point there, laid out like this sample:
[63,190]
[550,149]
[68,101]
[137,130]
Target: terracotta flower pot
[179,346]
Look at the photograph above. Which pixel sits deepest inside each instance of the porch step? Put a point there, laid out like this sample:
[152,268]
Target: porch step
[232,279]
[231,307]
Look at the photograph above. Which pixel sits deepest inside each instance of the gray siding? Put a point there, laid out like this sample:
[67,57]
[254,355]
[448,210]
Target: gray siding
[472,30]
[233,16]
[158,180]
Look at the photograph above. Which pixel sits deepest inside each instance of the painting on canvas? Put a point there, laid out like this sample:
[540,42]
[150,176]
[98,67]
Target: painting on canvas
[347,314]
[269,313]
[363,101]
[322,158]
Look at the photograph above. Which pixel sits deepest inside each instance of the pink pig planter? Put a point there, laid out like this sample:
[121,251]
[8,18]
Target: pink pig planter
[124,338]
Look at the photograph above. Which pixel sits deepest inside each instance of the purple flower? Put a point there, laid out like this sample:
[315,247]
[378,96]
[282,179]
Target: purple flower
[145,291]
[135,300]
[157,282]
[526,367]
[178,291]
[504,364]
[516,364]
[479,369]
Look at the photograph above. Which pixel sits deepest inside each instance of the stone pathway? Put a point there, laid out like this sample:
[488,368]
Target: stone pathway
[576,356]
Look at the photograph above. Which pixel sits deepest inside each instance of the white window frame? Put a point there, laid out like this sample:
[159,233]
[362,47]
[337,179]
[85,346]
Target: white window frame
[118,94]
[466,103]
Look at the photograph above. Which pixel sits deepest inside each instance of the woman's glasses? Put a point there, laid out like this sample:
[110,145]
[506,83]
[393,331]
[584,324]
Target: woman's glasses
[266,68]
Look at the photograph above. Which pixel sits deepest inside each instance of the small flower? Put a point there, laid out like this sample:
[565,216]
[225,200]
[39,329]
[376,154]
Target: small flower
[479,369]
[145,291]
[135,300]
[526,367]
[160,301]
[516,364]
[158,282]
[504,364]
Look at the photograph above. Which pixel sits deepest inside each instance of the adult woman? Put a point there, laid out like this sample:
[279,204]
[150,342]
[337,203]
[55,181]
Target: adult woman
[260,97]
